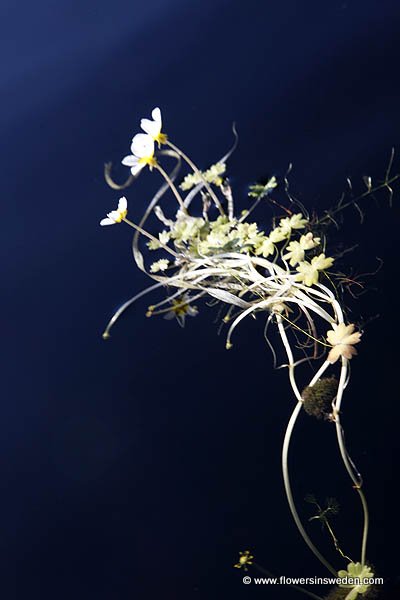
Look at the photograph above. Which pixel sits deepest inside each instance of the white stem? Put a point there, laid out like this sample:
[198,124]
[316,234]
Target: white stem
[355,477]
[285,451]
[172,187]
[318,374]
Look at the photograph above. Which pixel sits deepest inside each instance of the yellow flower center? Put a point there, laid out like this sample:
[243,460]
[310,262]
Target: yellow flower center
[178,308]
[148,160]
[161,138]
[121,216]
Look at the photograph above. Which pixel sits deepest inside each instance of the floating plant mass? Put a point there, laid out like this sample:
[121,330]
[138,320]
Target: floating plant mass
[288,274]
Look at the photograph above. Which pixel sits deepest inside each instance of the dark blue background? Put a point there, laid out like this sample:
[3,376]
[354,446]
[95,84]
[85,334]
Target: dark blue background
[138,468]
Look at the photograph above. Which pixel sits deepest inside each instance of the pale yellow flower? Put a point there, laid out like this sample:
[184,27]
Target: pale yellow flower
[259,191]
[163,239]
[186,228]
[308,273]
[190,181]
[356,572]
[278,235]
[321,262]
[247,233]
[297,248]
[296,221]
[160,265]
[295,254]
[265,248]
[308,241]
[342,337]
[212,175]
[245,558]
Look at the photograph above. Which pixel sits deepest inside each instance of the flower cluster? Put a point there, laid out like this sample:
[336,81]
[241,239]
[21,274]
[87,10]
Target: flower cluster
[228,257]
[212,175]
[197,238]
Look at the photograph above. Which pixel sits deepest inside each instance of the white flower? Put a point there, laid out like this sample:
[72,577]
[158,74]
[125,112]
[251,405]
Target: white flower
[342,337]
[153,128]
[296,221]
[160,265]
[142,149]
[116,216]
[308,273]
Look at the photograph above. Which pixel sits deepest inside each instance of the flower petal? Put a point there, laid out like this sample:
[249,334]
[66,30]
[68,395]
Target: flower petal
[114,215]
[142,146]
[334,354]
[156,114]
[122,204]
[136,169]
[150,127]
[354,338]
[347,351]
[107,221]
[130,161]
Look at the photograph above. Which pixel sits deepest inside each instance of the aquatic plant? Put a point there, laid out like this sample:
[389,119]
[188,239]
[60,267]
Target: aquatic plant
[206,250]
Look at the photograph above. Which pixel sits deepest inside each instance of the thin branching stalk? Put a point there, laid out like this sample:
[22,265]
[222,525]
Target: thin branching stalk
[199,174]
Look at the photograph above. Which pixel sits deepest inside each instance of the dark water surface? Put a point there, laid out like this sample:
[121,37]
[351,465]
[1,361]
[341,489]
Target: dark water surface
[138,468]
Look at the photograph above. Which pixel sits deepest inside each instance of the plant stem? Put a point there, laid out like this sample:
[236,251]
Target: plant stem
[356,479]
[172,186]
[199,174]
[285,451]
[151,237]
